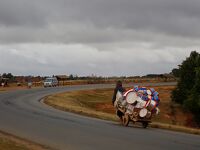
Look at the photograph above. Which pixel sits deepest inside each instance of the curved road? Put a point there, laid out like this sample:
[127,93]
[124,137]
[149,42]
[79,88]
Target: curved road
[22,114]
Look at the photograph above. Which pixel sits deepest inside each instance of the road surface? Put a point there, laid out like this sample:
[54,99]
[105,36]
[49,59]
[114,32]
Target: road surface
[22,114]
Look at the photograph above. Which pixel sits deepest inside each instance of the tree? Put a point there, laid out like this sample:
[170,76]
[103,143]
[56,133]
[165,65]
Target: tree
[186,78]
[187,91]
[7,75]
[176,72]
[71,77]
[192,103]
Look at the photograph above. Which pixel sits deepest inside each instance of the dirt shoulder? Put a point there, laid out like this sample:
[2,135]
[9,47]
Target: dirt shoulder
[11,142]
[15,88]
[97,103]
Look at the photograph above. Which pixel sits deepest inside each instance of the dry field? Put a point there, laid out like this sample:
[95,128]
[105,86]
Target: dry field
[10,142]
[97,103]
[14,87]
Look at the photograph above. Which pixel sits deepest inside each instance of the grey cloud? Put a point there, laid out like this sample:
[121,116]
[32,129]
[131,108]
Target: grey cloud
[101,39]
[22,13]
[48,59]
[170,17]
[158,33]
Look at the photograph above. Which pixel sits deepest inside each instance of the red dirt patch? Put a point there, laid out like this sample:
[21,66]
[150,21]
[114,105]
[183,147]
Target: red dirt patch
[105,107]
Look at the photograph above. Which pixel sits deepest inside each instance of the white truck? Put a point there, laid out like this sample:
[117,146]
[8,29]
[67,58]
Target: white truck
[50,82]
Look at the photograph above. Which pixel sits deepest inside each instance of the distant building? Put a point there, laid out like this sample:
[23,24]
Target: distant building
[62,77]
[20,79]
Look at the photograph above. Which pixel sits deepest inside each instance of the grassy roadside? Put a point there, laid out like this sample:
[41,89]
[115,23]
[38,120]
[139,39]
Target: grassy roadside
[97,103]
[11,142]
[75,102]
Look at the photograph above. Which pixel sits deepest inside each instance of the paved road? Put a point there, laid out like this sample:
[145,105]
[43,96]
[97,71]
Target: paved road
[22,114]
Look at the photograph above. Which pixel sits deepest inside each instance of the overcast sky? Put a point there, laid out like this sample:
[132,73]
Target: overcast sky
[101,37]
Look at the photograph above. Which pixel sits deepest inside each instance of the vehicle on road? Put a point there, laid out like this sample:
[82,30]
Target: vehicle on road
[134,107]
[51,82]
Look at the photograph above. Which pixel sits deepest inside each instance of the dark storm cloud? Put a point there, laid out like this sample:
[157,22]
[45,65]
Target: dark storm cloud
[85,20]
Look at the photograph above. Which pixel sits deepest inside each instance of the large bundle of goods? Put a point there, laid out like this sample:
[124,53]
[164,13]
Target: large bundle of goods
[140,103]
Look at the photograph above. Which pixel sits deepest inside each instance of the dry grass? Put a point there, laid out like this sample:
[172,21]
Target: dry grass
[11,142]
[175,128]
[11,88]
[79,102]
[97,103]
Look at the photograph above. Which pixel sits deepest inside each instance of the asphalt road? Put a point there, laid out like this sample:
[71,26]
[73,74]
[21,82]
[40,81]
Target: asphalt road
[22,114]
